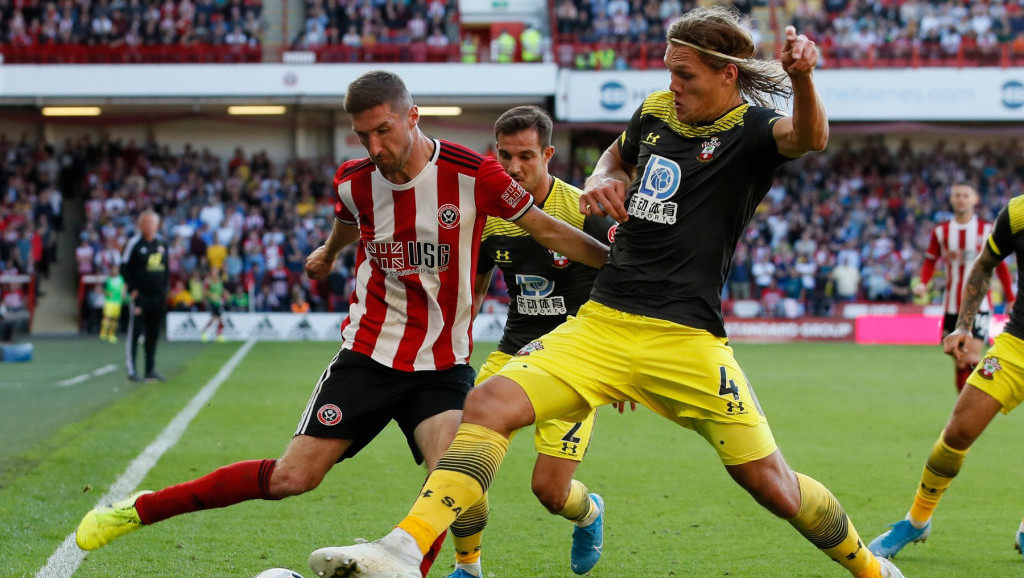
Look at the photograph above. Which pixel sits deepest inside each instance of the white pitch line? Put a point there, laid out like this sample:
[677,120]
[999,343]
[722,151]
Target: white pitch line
[67,557]
[80,378]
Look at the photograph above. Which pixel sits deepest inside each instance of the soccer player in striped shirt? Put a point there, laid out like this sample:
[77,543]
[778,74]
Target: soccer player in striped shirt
[416,208]
[958,242]
[683,181]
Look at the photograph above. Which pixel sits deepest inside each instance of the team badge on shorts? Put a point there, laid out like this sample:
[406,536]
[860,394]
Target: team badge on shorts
[530,348]
[329,414]
[989,366]
[448,216]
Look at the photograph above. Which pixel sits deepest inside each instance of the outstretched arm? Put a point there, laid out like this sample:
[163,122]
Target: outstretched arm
[975,289]
[807,129]
[566,239]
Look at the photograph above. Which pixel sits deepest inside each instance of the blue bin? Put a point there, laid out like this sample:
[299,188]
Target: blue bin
[16,352]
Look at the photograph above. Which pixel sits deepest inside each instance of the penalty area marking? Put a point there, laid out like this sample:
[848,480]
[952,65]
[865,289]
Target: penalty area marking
[80,378]
[67,557]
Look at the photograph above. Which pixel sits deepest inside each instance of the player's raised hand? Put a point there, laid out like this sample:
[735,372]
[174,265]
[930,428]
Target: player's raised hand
[319,263]
[799,55]
[603,196]
[955,344]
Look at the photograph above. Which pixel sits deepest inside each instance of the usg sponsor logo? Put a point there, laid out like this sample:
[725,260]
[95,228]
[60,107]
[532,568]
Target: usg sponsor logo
[613,95]
[1013,94]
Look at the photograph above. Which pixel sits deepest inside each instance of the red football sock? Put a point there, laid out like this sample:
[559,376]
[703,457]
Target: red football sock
[961,377]
[431,555]
[222,487]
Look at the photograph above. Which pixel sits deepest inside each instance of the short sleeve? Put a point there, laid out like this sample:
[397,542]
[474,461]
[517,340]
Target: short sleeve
[600,228]
[1001,239]
[485,261]
[498,194]
[344,172]
[629,140]
[342,213]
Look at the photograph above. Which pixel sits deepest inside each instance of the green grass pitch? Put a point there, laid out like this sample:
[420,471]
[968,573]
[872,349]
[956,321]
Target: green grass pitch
[860,419]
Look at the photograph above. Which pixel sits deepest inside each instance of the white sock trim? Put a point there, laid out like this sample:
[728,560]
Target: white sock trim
[473,568]
[591,516]
[915,523]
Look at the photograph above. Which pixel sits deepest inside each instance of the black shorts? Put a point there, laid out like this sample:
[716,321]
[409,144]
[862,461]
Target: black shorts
[215,309]
[979,331]
[357,397]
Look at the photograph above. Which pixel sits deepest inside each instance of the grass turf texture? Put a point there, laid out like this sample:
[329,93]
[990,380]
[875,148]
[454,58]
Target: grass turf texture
[859,419]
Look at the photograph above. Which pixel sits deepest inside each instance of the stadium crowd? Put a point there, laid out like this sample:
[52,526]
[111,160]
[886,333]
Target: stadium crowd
[857,30]
[626,33]
[247,221]
[31,218]
[850,224]
[131,23]
[358,23]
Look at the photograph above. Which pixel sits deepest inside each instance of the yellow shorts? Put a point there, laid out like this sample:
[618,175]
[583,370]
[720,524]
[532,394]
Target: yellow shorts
[559,438]
[1001,371]
[687,375]
[112,310]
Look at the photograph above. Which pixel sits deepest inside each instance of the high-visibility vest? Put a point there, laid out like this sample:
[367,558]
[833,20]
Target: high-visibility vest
[530,40]
[506,47]
[469,49]
[603,59]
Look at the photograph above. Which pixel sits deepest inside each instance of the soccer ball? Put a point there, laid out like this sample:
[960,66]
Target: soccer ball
[278,573]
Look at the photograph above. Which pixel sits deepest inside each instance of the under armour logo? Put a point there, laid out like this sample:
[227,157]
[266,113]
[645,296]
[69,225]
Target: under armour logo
[735,406]
[501,256]
[652,139]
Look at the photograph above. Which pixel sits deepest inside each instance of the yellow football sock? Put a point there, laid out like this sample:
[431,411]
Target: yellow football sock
[821,520]
[459,481]
[942,466]
[105,328]
[468,532]
[578,503]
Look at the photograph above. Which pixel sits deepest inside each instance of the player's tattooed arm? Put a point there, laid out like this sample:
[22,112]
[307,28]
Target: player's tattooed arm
[976,288]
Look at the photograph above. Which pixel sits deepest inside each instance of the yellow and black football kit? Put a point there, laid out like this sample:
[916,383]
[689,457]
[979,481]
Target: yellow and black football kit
[653,331]
[544,288]
[1000,373]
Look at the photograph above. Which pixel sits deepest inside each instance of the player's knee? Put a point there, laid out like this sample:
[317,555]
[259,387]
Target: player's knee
[550,497]
[293,481]
[777,491]
[958,436]
[495,405]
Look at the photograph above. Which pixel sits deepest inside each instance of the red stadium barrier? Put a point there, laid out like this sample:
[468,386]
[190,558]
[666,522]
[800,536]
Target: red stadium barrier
[416,52]
[105,54]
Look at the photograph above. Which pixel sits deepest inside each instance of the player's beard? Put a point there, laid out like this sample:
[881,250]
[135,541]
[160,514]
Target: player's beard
[389,164]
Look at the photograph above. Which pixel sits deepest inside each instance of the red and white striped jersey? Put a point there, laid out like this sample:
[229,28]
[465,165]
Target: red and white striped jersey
[957,245]
[412,308]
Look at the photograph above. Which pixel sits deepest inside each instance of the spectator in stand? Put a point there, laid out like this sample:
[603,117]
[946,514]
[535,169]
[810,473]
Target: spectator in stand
[847,281]
[298,301]
[740,274]
[240,300]
[180,298]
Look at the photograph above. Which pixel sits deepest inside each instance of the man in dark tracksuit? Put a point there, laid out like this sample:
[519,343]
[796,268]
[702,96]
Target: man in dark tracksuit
[145,273]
